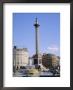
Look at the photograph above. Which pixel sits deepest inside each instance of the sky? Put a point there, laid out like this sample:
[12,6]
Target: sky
[49,32]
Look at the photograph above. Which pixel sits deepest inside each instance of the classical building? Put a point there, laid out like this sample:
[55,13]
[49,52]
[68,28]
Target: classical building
[55,61]
[20,57]
[50,60]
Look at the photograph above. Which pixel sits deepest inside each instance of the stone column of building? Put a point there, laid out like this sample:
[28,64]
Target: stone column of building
[37,39]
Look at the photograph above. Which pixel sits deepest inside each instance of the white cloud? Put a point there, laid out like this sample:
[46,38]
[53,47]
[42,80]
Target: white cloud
[53,48]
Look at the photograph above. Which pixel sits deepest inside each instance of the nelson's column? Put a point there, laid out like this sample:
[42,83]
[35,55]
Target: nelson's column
[36,56]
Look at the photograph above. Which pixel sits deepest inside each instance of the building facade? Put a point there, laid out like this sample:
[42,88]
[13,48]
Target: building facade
[20,57]
[49,60]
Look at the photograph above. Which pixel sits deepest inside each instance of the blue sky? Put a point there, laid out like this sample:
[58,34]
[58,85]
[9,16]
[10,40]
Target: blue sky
[49,32]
